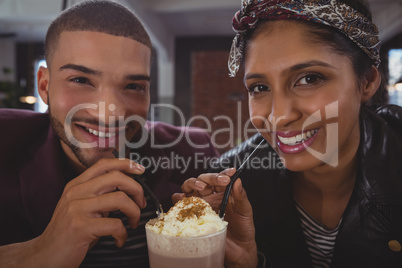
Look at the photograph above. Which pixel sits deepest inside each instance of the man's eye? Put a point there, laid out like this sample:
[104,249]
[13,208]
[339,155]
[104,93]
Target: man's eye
[255,89]
[135,87]
[80,80]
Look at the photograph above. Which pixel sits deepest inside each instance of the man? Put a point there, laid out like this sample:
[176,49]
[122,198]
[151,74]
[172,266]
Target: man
[65,200]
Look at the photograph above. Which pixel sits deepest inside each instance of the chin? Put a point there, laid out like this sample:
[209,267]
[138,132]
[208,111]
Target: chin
[300,163]
[88,157]
[96,153]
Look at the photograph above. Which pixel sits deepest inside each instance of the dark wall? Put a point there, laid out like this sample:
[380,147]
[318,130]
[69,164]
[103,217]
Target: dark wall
[204,90]
[185,46]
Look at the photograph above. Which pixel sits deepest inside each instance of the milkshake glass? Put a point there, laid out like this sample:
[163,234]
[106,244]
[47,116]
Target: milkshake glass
[207,251]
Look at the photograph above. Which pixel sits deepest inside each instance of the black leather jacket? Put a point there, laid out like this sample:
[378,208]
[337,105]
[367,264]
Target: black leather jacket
[373,216]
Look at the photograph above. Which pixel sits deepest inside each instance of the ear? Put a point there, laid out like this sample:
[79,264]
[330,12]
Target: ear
[371,84]
[43,83]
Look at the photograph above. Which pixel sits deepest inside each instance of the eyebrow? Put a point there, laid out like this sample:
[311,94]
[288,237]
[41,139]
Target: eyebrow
[137,77]
[293,68]
[309,64]
[80,68]
[86,70]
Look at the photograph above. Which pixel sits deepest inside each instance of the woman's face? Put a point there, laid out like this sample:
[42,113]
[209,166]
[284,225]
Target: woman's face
[303,97]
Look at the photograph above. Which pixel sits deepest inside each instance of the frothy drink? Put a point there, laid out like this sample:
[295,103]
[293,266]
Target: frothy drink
[190,234]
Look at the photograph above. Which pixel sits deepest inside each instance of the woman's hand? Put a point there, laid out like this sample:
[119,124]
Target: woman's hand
[209,186]
[241,248]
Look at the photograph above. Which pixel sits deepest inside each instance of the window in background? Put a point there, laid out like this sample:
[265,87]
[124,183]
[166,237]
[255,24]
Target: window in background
[40,106]
[395,76]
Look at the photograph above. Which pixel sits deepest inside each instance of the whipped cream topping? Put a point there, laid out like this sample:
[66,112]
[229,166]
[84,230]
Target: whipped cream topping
[191,216]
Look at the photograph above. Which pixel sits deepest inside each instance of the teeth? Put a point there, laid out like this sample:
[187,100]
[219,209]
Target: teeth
[298,138]
[292,140]
[100,134]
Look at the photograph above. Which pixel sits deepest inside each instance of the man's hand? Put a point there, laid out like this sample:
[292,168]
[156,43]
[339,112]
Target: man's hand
[241,248]
[80,217]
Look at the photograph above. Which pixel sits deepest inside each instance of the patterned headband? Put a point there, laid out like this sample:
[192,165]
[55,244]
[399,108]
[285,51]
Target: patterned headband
[332,13]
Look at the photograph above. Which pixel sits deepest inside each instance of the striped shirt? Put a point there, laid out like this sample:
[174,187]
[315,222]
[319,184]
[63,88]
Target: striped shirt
[319,239]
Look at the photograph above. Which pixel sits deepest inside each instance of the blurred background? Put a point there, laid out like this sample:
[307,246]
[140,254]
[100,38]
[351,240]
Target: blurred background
[191,38]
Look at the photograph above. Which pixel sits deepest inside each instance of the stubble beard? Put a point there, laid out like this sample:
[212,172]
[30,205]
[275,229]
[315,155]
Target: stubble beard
[61,133]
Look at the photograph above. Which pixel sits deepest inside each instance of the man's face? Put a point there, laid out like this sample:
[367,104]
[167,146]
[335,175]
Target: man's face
[97,86]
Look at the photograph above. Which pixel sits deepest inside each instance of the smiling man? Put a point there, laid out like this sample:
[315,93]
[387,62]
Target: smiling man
[65,200]
[81,76]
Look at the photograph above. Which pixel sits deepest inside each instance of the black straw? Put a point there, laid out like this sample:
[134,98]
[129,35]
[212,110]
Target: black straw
[234,178]
[147,190]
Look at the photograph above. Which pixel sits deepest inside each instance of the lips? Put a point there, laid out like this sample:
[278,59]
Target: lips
[295,141]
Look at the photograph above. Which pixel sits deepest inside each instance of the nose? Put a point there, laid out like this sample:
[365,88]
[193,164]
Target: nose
[283,110]
[110,106]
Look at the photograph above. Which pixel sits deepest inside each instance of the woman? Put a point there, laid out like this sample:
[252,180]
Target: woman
[311,68]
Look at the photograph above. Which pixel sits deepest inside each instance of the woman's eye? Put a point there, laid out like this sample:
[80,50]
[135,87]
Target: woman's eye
[255,89]
[309,79]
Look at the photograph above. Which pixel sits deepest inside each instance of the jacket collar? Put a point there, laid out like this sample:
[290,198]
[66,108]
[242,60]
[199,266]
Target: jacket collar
[380,152]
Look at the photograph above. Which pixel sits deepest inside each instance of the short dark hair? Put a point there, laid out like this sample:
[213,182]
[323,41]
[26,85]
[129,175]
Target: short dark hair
[97,16]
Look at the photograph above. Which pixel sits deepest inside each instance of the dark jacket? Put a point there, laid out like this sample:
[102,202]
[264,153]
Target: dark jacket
[33,174]
[373,216]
